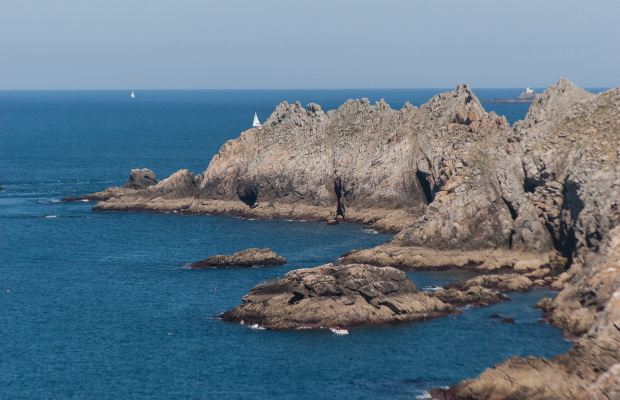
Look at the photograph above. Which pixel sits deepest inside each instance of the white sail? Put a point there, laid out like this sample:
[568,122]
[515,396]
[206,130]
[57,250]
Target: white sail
[256,122]
[132,95]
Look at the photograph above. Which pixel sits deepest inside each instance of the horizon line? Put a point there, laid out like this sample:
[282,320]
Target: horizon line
[274,89]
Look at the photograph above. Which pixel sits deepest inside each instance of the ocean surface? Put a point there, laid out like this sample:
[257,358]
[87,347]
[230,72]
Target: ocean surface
[102,305]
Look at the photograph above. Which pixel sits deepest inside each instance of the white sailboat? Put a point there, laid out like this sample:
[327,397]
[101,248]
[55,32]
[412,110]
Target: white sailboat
[132,95]
[256,122]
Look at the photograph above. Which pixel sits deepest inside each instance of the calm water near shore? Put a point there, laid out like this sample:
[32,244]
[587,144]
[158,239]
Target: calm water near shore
[102,305]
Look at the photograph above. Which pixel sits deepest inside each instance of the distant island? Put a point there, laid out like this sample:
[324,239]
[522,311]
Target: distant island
[525,97]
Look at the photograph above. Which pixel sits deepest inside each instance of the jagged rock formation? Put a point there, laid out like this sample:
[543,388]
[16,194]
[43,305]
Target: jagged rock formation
[248,258]
[572,176]
[336,296]
[461,188]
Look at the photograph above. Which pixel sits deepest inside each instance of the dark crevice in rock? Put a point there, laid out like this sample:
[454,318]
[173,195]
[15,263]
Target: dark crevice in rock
[572,204]
[426,186]
[339,197]
[531,183]
[297,297]
[247,192]
[513,212]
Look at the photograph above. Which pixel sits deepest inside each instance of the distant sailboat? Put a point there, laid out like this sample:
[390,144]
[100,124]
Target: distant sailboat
[256,122]
[132,95]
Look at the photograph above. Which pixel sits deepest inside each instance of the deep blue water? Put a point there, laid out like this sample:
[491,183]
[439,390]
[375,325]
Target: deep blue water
[102,305]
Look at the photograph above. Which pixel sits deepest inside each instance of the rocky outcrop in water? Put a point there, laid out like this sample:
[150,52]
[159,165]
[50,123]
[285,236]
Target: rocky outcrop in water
[472,295]
[248,258]
[336,296]
[503,282]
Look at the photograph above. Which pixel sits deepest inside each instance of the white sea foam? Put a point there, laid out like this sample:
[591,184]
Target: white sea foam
[425,395]
[256,326]
[50,216]
[432,288]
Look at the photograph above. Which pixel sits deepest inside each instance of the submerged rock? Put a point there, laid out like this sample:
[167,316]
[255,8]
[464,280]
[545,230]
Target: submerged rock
[336,296]
[248,258]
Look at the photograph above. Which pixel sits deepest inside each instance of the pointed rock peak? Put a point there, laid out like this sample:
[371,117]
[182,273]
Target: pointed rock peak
[564,86]
[458,106]
[314,109]
[462,88]
[296,114]
[555,102]
[382,105]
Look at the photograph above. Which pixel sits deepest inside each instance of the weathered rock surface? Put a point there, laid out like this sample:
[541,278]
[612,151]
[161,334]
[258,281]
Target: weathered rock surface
[336,296]
[504,282]
[248,258]
[473,295]
[606,387]
[141,179]
[588,308]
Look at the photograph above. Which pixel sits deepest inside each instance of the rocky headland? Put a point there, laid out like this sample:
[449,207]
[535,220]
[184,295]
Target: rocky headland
[249,258]
[461,189]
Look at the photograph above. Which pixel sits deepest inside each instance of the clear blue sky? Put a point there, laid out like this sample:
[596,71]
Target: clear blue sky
[243,44]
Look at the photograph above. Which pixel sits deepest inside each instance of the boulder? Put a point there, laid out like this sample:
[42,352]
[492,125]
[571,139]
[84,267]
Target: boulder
[332,295]
[248,258]
[140,179]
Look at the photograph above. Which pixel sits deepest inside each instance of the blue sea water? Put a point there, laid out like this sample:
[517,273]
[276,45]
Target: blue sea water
[103,306]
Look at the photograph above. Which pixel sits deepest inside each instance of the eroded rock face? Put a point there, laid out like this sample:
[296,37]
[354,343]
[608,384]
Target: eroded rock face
[589,307]
[336,296]
[248,258]
[606,387]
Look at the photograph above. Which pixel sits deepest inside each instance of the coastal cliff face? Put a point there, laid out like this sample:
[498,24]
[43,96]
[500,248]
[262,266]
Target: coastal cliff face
[571,160]
[462,189]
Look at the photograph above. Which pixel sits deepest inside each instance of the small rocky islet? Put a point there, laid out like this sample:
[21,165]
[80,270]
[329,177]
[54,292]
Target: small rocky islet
[349,295]
[249,258]
[460,188]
